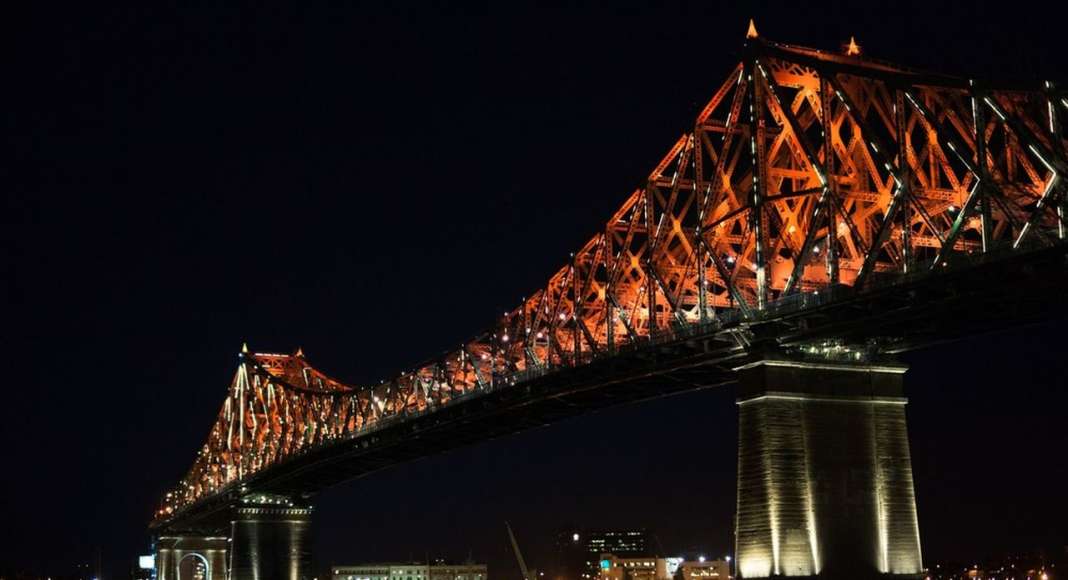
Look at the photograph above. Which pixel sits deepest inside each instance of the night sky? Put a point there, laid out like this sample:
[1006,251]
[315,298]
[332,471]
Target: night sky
[374,183]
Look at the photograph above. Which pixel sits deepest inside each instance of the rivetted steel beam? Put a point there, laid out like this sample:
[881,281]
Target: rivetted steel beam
[875,146]
[756,194]
[725,275]
[814,162]
[623,318]
[820,173]
[1051,159]
[1054,133]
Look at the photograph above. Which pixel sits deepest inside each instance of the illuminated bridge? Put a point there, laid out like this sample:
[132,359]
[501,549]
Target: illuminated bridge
[826,212]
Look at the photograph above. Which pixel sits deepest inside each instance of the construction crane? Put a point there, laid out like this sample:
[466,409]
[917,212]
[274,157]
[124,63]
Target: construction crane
[527,574]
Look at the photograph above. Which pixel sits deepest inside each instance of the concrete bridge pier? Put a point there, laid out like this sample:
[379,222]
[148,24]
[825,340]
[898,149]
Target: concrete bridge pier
[269,539]
[191,557]
[824,472]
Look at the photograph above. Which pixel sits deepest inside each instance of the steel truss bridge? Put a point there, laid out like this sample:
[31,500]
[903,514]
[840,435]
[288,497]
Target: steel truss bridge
[825,206]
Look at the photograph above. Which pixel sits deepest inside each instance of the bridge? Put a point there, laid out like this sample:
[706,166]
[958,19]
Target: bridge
[826,212]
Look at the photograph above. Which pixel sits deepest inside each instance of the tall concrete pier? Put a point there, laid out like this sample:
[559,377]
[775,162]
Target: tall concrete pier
[192,557]
[269,540]
[824,472]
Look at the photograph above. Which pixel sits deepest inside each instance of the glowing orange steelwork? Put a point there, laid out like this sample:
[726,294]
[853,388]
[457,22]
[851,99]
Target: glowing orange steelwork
[804,171]
[853,49]
[752,32]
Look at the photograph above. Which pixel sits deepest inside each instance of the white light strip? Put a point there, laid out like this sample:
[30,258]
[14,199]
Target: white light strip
[1041,200]
[898,370]
[1041,158]
[209,538]
[882,520]
[810,509]
[844,399]
[997,111]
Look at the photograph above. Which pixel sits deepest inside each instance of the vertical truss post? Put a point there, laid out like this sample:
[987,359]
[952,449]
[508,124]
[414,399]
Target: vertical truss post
[576,303]
[609,303]
[523,331]
[979,131]
[901,123]
[1055,140]
[832,184]
[495,347]
[702,282]
[242,384]
[756,201]
[650,242]
[699,231]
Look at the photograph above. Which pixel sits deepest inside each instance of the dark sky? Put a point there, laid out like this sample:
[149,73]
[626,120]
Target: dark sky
[374,183]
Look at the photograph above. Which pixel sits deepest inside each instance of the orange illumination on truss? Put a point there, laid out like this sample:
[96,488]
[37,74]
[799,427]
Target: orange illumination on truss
[806,170]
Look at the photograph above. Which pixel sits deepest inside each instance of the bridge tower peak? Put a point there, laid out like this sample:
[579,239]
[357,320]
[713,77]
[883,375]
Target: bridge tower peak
[752,32]
[852,49]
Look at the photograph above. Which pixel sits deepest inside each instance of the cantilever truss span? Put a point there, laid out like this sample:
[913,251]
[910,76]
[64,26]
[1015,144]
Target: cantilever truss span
[807,174]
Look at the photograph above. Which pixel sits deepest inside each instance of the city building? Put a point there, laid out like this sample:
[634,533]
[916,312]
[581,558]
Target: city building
[578,552]
[611,567]
[702,569]
[615,568]
[439,570]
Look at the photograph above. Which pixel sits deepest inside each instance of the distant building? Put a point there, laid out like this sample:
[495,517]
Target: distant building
[661,568]
[578,552]
[704,570]
[611,567]
[409,571]
[614,568]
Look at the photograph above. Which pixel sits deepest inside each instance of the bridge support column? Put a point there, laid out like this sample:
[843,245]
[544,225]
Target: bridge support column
[269,540]
[191,557]
[824,472]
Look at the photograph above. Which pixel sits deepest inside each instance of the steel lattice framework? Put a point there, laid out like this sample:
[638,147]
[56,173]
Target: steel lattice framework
[806,172]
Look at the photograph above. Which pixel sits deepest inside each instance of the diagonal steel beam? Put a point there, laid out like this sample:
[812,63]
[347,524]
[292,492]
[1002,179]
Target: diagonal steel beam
[877,149]
[651,270]
[814,162]
[979,190]
[728,281]
[622,313]
[1050,158]
[795,126]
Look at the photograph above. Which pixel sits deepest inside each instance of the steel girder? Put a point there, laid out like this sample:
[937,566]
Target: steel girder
[806,172]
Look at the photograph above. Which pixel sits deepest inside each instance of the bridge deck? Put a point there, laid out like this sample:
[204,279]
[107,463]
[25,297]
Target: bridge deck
[908,315]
